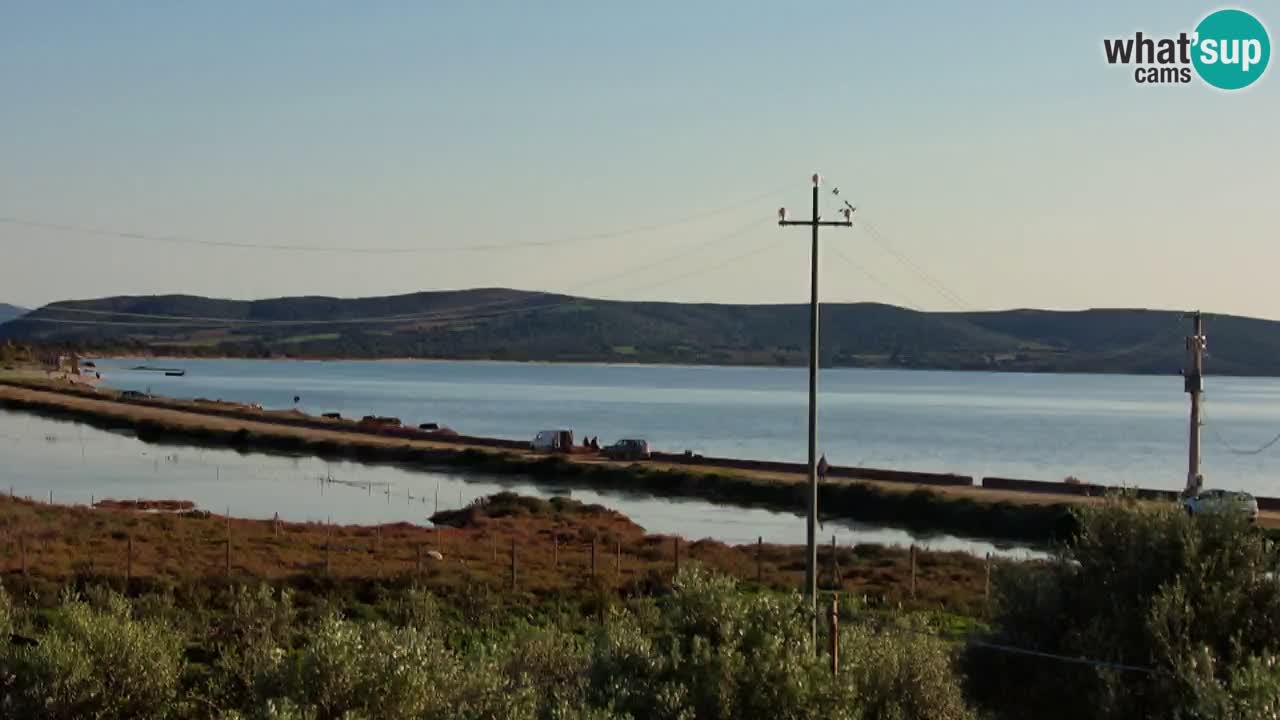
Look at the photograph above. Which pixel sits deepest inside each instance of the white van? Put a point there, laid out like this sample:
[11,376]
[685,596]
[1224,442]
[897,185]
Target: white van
[552,441]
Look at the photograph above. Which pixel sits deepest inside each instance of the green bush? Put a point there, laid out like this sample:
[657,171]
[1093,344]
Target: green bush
[250,642]
[1192,600]
[713,651]
[902,674]
[93,664]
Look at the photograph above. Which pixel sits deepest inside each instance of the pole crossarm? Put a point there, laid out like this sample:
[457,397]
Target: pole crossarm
[820,223]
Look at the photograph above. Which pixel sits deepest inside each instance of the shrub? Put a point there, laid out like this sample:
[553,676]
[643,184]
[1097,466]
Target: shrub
[93,663]
[903,674]
[1191,599]
[713,651]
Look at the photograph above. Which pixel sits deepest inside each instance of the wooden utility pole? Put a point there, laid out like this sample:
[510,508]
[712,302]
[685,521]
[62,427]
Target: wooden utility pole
[1193,383]
[811,555]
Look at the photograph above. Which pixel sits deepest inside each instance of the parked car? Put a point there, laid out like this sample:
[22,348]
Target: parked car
[628,449]
[1211,501]
[553,441]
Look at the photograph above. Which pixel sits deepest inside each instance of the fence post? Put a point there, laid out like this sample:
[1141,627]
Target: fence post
[555,550]
[617,561]
[493,545]
[50,497]
[913,572]
[834,624]
[676,553]
[835,581]
[328,541]
[986,586]
[593,558]
[760,559]
[513,564]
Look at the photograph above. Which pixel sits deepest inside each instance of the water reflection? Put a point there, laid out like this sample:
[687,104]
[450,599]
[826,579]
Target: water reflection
[80,464]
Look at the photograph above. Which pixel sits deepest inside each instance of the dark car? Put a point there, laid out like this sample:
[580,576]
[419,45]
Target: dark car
[628,449]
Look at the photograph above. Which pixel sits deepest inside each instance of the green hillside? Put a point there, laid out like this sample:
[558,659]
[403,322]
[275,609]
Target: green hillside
[518,325]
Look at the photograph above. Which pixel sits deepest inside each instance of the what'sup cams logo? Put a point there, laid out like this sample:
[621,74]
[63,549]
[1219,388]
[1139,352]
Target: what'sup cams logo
[1229,50]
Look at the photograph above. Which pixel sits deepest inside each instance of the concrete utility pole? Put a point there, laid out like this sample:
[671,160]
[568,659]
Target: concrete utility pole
[811,553]
[1193,383]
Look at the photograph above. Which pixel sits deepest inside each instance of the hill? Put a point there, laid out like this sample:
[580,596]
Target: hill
[9,312]
[518,325]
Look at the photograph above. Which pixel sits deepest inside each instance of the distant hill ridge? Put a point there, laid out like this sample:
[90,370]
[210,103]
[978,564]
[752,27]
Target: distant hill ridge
[9,312]
[506,324]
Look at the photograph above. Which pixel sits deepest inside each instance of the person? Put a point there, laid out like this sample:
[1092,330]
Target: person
[823,467]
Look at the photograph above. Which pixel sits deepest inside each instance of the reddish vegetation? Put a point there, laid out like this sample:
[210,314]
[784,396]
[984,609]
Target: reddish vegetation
[552,544]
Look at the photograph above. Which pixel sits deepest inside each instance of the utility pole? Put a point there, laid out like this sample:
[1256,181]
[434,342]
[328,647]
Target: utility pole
[1193,383]
[811,552]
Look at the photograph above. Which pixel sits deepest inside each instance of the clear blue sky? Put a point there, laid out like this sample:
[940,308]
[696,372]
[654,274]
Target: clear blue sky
[988,142]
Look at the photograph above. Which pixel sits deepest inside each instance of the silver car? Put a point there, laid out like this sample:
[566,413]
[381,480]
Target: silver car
[1211,501]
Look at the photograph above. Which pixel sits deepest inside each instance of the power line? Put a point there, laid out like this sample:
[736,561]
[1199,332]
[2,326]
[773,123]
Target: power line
[974,641]
[769,244]
[879,238]
[1213,429]
[902,296]
[458,314]
[365,250]
[933,282]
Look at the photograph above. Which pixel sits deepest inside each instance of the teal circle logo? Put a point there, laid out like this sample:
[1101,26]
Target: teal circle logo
[1231,49]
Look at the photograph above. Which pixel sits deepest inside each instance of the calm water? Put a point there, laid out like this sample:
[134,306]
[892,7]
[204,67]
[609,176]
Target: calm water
[80,464]
[1104,429]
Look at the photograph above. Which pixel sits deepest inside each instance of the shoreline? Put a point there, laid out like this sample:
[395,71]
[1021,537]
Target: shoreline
[634,364]
[1036,513]
[965,511]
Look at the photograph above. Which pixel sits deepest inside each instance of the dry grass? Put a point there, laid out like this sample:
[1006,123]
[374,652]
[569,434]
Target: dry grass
[552,543]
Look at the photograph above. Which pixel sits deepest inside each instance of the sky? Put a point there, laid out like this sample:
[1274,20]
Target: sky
[630,151]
